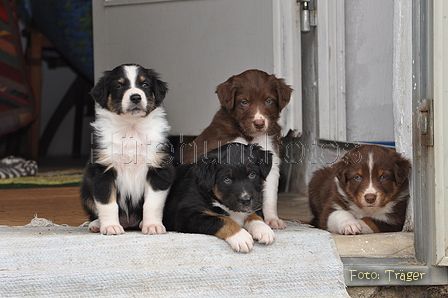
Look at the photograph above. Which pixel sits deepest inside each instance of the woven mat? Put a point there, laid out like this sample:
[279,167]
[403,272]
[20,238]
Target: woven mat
[60,261]
[66,178]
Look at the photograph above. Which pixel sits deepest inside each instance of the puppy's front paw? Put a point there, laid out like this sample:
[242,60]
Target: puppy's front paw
[350,227]
[343,222]
[241,241]
[112,230]
[94,226]
[275,223]
[152,228]
[261,232]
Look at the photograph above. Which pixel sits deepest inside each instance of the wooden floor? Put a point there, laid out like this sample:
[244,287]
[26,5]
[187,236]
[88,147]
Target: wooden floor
[62,206]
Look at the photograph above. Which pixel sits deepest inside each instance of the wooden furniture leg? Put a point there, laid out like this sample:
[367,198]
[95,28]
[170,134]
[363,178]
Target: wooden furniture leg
[37,42]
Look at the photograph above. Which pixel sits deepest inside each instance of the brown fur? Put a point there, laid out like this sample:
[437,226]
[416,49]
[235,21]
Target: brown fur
[389,180]
[369,222]
[229,228]
[253,217]
[236,119]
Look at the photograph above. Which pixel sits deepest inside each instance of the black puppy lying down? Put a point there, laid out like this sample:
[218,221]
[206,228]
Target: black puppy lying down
[220,194]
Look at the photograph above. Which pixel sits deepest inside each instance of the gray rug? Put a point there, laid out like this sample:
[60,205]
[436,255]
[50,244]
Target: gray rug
[57,261]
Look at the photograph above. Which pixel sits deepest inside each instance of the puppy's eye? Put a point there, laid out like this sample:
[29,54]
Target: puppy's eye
[244,102]
[252,175]
[119,86]
[269,101]
[145,85]
[383,177]
[227,180]
[358,177]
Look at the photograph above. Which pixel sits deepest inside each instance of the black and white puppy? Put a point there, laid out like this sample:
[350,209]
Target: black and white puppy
[220,194]
[126,183]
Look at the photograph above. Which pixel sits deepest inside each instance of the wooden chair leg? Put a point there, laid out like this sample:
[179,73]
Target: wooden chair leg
[35,66]
[82,98]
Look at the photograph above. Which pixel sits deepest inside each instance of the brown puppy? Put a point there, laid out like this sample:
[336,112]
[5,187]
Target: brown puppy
[365,192]
[250,108]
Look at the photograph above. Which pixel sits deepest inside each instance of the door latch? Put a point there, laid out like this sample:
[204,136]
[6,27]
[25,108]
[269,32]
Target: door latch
[307,15]
[427,122]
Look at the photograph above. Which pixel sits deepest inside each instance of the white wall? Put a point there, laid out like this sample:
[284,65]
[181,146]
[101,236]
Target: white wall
[194,45]
[369,61]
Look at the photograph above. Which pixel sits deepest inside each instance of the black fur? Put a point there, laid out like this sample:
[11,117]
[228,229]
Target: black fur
[97,182]
[231,175]
[110,85]
[100,179]
[161,178]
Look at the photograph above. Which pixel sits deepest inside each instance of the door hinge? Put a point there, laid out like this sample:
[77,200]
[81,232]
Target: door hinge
[427,122]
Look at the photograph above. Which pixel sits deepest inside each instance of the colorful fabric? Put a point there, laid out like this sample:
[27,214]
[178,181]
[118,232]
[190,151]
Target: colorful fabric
[16,100]
[68,25]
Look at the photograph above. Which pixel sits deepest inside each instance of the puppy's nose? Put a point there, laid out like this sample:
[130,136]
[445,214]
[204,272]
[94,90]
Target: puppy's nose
[245,198]
[259,123]
[135,98]
[370,198]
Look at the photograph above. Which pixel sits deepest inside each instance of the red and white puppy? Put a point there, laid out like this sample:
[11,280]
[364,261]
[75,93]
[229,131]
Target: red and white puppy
[365,192]
[250,108]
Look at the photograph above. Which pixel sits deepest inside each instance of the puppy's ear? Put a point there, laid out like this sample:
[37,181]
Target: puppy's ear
[401,170]
[226,94]
[340,171]
[263,159]
[158,87]
[100,91]
[284,93]
[205,174]
[265,167]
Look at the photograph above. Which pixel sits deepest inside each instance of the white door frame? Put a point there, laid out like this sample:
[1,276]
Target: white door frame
[331,70]
[440,27]
[287,60]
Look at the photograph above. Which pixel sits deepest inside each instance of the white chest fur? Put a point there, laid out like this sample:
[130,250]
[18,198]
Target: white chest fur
[130,144]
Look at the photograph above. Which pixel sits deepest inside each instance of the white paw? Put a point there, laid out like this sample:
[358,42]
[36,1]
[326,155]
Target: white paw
[261,232]
[94,226]
[350,227]
[343,222]
[112,230]
[275,223]
[241,241]
[152,228]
